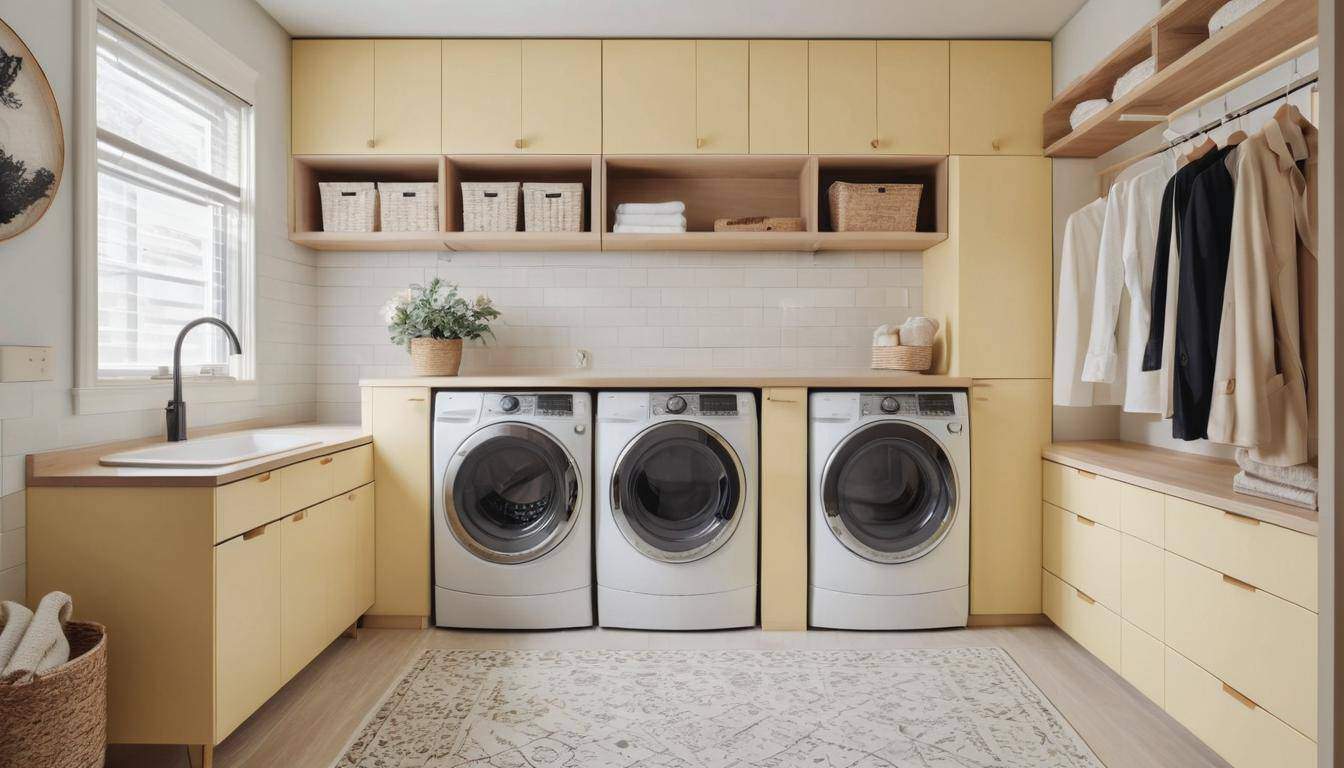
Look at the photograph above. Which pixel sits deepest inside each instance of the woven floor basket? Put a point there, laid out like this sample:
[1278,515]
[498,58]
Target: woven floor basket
[874,207]
[436,357]
[489,206]
[902,358]
[60,719]
[759,224]
[552,207]
[408,207]
[348,206]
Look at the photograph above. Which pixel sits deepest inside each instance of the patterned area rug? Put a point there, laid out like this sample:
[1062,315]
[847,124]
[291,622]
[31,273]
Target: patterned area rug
[928,708]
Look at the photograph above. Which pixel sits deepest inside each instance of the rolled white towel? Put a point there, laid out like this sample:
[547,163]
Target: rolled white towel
[43,647]
[1250,485]
[919,331]
[652,219]
[1304,476]
[887,336]
[645,229]
[14,620]
[675,206]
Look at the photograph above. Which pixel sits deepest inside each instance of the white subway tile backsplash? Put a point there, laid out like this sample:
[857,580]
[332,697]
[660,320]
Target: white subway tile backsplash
[13,584]
[13,511]
[12,548]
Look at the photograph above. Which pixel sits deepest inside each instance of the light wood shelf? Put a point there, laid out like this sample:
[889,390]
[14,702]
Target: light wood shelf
[1190,65]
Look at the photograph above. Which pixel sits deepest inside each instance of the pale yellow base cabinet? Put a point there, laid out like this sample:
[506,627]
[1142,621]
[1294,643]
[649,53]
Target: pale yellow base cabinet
[398,419]
[784,508]
[212,597]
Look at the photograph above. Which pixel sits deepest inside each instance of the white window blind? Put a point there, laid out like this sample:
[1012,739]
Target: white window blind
[173,220]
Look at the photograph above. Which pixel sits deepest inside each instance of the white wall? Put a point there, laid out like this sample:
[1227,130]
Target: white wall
[1098,28]
[38,281]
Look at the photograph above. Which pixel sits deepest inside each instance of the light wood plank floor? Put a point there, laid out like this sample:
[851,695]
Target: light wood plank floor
[308,723]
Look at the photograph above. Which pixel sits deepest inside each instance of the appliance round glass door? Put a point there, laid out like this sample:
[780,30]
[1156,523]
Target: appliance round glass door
[889,492]
[677,491]
[511,493]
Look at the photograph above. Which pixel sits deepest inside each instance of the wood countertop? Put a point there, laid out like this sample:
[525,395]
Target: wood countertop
[744,378]
[1200,479]
[80,467]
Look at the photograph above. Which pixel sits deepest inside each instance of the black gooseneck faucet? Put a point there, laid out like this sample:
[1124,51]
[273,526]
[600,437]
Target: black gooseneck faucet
[177,410]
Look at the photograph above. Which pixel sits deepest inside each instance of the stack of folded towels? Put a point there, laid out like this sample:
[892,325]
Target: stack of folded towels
[1290,485]
[649,218]
[32,643]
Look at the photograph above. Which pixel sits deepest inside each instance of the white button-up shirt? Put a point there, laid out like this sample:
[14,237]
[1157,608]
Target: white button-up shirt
[1077,281]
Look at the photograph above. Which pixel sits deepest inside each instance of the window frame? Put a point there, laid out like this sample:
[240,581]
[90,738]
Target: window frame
[167,30]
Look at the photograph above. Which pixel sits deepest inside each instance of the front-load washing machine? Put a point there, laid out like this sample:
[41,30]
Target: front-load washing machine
[890,501]
[677,514]
[512,519]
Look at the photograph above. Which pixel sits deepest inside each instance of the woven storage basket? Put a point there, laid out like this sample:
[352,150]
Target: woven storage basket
[874,207]
[348,206]
[408,207]
[489,206]
[436,357]
[759,224]
[60,719]
[902,358]
[553,207]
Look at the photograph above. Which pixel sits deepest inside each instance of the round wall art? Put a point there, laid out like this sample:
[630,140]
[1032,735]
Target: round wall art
[32,149]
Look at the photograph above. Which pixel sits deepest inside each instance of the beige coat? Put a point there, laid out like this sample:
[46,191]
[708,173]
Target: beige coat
[1261,376]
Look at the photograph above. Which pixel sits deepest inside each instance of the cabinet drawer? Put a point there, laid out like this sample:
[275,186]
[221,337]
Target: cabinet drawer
[1084,619]
[1083,493]
[1142,513]
[1141,592]
[1261,645]
[1082,553]
[351,468]
[307,483]
[1275,559]
[246,504]
[247,625]
[1241,732]
[1141,661]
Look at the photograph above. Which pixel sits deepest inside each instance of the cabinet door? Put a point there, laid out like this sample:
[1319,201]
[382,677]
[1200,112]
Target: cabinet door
[1000,88]
[407,87]
[247,625]
[399,422]
[842,97]
[342,563]
[482,96]
[365,525]
[331,102]
[648,96]
[562,96]
[1010,423]
[777,97]
[304,584]
[784,508]
[721,96]
[912,111]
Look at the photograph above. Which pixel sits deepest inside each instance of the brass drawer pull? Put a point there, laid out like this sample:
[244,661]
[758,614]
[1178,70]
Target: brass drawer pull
[1083,596]
[351,497]
[1239,696]
[325,460]
[1234,517]
[1085,521]
[1238,583]
[774,399]
[254,533]
[263,477]
[1083,473]
[298,516]
[415,399]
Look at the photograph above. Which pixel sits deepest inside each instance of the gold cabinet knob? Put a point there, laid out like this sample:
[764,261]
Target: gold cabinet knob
[874,143]
[371,143]
[995,144]
[520,143]
[699,143]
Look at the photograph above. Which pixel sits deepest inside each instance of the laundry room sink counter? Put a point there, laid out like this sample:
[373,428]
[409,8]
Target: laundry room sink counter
[748,378]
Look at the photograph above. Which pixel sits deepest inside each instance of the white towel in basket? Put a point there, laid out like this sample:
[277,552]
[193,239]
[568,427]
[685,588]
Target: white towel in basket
[43,647]
[675,206]
[14,620]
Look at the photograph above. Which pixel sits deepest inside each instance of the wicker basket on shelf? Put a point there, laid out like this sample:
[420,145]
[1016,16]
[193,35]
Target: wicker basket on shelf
[409,207]
[553,207]
[759,224]
[348,206]
[902,358]
[59,720]
[489,206]
[874,207]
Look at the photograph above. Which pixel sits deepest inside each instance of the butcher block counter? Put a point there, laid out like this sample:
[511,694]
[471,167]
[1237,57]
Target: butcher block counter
[721,378]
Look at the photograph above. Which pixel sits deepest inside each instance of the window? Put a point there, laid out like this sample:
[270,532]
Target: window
[174,221]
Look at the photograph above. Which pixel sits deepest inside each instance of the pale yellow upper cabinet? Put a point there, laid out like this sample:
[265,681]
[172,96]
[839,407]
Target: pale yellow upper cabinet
[842,97]
[721,86]
[648,96]
[482,96]
[912,110]
[331,102]
[777,97]
[1000,89]
[406,92]
[562,97]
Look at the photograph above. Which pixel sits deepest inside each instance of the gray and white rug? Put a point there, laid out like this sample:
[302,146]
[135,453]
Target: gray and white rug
[952,708]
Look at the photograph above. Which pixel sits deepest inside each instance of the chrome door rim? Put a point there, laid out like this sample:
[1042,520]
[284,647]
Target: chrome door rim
[637,541]
[836,523]
[509,429]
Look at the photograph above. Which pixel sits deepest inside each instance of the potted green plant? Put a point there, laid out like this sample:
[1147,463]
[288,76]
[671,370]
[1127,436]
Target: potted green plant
[432,321]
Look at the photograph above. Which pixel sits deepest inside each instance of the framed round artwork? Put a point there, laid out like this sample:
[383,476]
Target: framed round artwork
[32,148]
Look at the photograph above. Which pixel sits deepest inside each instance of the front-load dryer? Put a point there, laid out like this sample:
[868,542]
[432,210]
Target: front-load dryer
[512,519]
[677,514]
[889,519]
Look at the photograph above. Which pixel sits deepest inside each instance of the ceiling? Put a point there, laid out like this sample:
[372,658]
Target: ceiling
[1030,19]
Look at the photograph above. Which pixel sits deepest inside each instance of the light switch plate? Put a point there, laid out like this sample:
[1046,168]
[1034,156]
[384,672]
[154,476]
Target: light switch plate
[26,363]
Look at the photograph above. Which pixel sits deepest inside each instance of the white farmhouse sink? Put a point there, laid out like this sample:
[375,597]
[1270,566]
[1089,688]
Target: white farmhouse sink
[209,451]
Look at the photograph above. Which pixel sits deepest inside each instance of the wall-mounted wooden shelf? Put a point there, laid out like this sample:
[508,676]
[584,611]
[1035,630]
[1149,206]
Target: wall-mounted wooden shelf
[1190,64]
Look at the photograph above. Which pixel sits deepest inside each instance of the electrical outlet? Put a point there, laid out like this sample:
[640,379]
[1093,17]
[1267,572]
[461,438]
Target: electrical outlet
[26,363]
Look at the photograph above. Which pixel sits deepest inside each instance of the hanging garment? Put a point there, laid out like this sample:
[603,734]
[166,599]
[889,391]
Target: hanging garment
[1260,382]
[1077,281]
[1125,266]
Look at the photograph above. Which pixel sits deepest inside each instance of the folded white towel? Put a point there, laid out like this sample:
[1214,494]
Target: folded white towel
[1230,12]
[647,229]
[1304,476]
[43,647]
[919,331]
[1085,110]
[675,206]
[1131,79]
[887,336]
[14,620]
[1251,485]
[652,219]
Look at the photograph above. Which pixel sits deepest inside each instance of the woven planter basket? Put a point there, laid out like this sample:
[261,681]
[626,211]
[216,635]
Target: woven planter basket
[489,206]
[759,224]
[60,719]
[902,358]
[408,207]
[348,206]
[554,207]
[874,207]
[436,357]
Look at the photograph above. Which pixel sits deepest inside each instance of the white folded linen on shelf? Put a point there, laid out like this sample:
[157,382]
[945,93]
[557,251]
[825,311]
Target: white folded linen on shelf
[1230,12]
[1086,109]
[675,206]
[652,219]
[1304,476]
[646,229]
[1131,79]
[1250,485]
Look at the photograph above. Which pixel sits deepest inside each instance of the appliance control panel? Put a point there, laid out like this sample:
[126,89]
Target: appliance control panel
[531,404]
[924,404]
[693,404]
